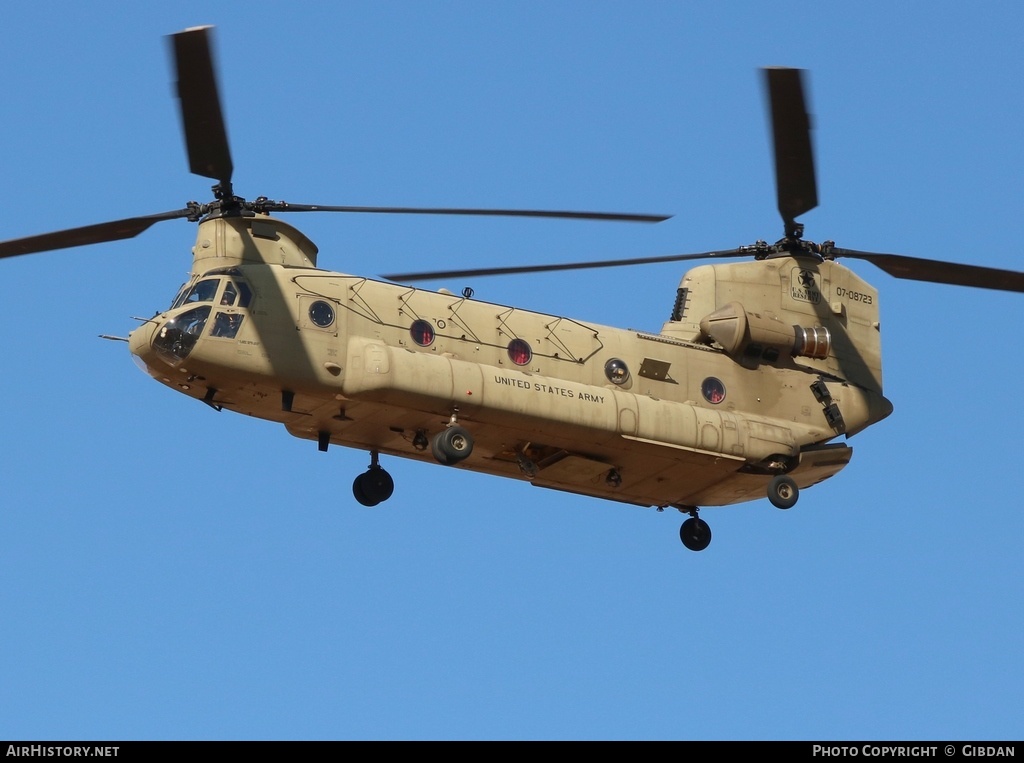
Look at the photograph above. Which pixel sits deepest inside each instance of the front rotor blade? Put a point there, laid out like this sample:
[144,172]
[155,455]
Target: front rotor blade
[284,206]
[795,183]
[937,271]
[201,115]
[519,269]
[115,230]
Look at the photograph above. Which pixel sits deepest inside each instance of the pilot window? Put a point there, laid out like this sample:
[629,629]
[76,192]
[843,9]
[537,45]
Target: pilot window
[180,296]
[176,338]
[235,293]
[204,291]
[244,293]
[226,325]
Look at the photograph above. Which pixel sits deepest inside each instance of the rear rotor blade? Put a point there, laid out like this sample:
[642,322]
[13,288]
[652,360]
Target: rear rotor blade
[795,183]
[520,269]
[115,230]
[611,216]
[937,271]
[201,115]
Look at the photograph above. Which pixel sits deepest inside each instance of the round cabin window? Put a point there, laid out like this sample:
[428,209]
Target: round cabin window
[617,371]
[713,390]
[519,352]
[321,313]
[422,333]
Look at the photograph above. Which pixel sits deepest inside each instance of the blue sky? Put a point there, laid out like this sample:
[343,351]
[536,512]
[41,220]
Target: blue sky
[168,572]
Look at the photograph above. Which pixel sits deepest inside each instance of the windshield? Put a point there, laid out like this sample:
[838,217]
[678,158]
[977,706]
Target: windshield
[176,338]
[236,293]
[204,291]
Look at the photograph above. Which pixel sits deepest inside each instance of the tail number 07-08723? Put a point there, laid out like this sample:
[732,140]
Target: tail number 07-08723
[854,296]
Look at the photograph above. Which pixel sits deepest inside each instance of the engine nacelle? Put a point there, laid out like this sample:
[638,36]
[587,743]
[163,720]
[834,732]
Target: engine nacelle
[742,333]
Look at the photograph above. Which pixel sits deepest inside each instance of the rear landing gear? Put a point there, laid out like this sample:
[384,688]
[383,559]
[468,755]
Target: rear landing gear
[783,492]
[695,532]
[374,485]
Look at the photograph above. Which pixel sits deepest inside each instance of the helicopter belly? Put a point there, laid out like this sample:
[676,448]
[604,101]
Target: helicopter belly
[554,433]
[575,459]
[600,464]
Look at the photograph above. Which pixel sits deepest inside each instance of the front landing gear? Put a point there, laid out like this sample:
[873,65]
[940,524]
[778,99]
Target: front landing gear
[374,485]
[451,445]
[695,532]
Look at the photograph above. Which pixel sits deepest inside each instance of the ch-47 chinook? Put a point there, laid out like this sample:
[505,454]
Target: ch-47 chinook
[745,392]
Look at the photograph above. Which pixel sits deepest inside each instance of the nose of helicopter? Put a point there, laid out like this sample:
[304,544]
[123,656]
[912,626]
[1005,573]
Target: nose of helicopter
[140,344]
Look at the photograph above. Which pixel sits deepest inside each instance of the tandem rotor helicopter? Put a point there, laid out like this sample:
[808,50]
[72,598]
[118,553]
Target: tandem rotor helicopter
[747,391]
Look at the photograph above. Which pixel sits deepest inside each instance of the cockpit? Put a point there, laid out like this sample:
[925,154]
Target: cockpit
[224,297]
[236,291]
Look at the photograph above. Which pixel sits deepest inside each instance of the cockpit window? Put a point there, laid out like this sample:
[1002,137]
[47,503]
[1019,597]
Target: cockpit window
[244,292]
[236,293]
[176,338]
[204,291]
[226,325]
[180,296]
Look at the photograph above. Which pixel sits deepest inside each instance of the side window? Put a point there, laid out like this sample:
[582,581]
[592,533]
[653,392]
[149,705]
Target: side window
[244,293]
[230,294]
[226,325]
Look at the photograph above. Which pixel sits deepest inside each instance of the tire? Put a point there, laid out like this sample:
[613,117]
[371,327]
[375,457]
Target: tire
[377,484]
[438,454]
[452,445]
[359,490]
[695,534]
[783,492]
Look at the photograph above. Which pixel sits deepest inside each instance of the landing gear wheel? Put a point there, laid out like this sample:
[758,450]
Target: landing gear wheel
[373,486]
[451,445]
[695,534]
[360,493]
[783,492]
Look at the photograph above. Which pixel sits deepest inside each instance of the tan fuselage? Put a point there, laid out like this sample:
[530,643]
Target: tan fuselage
[668,419]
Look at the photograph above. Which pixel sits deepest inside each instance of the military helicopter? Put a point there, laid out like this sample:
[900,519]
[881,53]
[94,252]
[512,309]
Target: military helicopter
[747,391]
